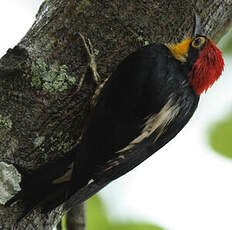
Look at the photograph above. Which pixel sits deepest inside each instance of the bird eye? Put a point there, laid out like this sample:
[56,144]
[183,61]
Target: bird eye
[198,42]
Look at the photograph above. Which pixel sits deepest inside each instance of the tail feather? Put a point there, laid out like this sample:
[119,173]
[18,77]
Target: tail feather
[55,198]
[84,193]
[37,188]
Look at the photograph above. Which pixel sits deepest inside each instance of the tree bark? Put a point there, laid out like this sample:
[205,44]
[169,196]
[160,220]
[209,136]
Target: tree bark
[46,86]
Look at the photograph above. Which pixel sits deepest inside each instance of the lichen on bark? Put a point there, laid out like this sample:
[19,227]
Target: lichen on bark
[5,122]
[50,79]
[9,181]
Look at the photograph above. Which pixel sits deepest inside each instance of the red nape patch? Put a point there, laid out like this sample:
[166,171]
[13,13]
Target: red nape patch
[207,69]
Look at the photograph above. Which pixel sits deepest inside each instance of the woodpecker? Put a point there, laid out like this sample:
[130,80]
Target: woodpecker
[145,103]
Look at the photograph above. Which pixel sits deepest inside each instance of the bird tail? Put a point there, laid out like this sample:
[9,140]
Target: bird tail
[38,188]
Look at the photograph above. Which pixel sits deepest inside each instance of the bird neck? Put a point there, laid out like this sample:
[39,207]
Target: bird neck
[180,50]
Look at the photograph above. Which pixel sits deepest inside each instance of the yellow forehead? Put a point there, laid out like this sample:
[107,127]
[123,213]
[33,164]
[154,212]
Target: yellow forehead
[180,50]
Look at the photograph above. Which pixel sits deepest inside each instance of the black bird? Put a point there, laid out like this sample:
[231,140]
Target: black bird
[144,104]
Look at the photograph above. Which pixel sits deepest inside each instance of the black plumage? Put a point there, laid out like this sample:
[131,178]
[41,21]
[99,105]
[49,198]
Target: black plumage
[139,88]
[143,105]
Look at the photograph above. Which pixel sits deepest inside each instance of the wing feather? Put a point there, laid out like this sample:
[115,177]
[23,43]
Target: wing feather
[142,106]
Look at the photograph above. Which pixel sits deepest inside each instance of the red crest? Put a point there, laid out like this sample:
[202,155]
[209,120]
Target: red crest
[207,69]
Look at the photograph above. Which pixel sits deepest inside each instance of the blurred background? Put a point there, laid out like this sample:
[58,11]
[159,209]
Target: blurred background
[187,184]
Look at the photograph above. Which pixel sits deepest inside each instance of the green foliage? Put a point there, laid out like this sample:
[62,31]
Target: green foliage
[226,43]
[63,223]
[97,219]
[220,137]
[96,214]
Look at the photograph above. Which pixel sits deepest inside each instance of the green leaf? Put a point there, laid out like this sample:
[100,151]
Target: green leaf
[220,137]
[96,214]
[225,43]
[133,226]
[63,223]
[97,219]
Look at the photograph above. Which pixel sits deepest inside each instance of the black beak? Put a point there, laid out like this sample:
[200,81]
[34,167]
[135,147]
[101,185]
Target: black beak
[197,27]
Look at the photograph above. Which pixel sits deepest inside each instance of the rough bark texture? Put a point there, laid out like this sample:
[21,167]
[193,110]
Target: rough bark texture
[44,109]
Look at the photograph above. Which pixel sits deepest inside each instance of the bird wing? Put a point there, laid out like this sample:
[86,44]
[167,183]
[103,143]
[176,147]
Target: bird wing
[158,131]
[144,104]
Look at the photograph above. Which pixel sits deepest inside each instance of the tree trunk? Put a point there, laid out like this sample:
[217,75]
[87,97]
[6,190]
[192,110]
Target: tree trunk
[46,86]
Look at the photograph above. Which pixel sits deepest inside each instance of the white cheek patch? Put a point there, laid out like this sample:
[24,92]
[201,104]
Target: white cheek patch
[158,122]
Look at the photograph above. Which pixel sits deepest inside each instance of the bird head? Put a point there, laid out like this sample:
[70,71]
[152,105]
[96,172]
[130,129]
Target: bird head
[204,60]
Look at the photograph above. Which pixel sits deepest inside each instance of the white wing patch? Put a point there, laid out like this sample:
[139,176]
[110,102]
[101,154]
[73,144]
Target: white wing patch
[157,121]
[66,177]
